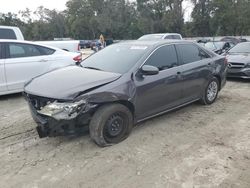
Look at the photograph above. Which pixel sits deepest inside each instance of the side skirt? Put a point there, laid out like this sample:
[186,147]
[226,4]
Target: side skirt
[168,110]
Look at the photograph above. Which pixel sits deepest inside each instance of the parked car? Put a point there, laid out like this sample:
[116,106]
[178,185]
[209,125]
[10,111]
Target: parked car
[231,40]
[219,47]
[95,44]
[203,41]
[8,32]
[85,44]
[21,61]
[143,79]
[175,36]
[239,61]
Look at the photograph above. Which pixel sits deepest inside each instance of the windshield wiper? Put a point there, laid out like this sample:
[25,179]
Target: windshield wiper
[94,68]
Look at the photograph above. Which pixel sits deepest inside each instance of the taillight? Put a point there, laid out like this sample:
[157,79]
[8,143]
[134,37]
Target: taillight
[78,58]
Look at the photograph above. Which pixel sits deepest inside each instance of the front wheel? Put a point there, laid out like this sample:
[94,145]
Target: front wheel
[211,92]
[111,124]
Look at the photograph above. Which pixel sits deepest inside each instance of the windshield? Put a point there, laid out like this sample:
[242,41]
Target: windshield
[241,48]
[214,45]
[117,58]
[151,37]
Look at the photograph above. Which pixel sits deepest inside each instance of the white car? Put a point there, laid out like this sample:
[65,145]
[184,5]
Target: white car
[174,36]
[20,61]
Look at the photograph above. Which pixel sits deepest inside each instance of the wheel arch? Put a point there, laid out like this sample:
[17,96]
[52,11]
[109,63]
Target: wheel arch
[219,80]
[125,103]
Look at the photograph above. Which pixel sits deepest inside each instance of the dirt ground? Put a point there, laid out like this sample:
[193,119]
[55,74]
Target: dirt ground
[196,146]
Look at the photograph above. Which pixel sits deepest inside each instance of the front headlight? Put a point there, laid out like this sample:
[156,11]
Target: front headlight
[63,110]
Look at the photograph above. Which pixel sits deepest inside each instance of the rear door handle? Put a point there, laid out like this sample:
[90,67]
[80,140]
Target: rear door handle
[178,73]
[43,60]
[209,64]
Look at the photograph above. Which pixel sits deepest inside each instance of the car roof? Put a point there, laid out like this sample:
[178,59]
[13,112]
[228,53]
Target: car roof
[28,42]
[8,27]
[155,42]
[163,34]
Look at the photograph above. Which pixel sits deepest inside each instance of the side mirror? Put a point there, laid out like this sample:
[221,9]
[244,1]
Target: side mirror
[149,70]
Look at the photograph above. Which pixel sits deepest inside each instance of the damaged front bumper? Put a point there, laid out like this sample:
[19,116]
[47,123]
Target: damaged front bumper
[59,123]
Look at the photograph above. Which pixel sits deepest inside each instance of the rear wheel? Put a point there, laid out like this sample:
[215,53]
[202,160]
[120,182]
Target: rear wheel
[110,124]
[211,92]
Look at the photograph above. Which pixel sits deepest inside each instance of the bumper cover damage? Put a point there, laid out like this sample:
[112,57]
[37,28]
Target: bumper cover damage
[57,119]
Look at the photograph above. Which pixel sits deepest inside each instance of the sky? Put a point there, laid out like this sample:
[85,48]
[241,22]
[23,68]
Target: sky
[15,6]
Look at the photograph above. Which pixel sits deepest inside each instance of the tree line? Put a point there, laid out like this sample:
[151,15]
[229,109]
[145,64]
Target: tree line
[127,19]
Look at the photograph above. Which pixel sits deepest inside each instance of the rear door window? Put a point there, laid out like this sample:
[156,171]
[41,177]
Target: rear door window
[7,34]
[191,53]
[45,51]
[168,37]
[17,50]
[163,58]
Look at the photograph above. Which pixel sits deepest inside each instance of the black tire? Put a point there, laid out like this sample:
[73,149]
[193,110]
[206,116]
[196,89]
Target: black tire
[206,98]
[111,124]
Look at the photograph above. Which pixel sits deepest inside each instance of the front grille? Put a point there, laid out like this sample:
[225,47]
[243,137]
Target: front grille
[236,65]
[39,102]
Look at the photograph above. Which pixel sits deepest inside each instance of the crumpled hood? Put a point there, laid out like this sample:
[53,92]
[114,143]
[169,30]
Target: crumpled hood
[238,58]
[68,82]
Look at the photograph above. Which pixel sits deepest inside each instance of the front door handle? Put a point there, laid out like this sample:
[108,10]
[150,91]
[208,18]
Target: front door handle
[178,73]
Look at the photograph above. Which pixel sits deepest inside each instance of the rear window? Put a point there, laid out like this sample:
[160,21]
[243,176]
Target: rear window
[7,34]
[173,37]
[151,37]
[176,36]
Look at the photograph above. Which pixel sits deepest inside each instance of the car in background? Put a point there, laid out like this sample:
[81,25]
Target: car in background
[96,44]
[219,47]
[21,61]
[85,44]
[231,40]
[156,36]
[124,84]
[239,61]
[9,32]
[203,41]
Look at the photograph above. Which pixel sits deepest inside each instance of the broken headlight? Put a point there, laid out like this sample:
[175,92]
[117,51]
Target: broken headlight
[64,110]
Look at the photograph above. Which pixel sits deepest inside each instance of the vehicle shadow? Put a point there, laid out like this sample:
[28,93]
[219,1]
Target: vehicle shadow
[11,96]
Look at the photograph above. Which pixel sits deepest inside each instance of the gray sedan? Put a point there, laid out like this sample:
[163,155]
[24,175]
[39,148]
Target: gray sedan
[122,85]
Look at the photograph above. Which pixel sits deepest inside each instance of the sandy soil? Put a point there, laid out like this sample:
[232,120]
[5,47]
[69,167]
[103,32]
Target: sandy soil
[196,146]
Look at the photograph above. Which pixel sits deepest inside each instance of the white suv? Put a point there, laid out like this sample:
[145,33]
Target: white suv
[7,32]
[174,36]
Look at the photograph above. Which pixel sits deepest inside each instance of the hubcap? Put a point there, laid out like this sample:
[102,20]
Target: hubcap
[114,125]
[212,91]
